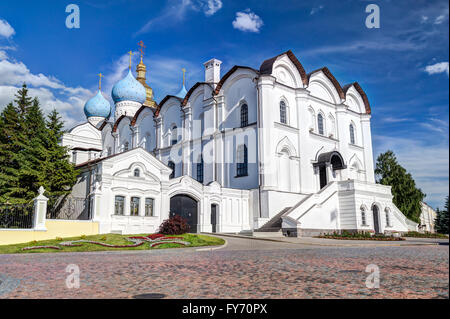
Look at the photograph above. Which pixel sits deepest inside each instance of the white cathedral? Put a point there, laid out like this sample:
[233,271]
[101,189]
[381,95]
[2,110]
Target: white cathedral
[271,151]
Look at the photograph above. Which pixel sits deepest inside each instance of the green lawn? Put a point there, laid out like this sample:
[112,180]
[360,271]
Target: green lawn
[114,239]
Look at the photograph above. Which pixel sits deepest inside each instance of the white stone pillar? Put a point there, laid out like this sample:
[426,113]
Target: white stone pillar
[40,210]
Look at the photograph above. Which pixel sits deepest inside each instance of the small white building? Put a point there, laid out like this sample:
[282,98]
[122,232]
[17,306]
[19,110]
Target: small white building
[274,149]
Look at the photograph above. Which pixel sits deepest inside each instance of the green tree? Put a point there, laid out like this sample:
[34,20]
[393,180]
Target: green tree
[442,219]
[61,175]
[30,153]
[406,196]
[11,143]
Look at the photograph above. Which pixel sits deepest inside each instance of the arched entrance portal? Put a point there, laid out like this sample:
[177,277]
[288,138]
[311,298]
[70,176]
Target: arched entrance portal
[187,208]
[376,222]
[333,159]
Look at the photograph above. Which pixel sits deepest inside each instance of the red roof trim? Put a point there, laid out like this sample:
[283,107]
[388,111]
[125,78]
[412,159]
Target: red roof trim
[362,93]
[331,77]
[267,66]
[228,74]
[117,123]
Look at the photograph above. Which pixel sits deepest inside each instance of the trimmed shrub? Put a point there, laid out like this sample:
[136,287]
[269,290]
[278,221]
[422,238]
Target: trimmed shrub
[175,225]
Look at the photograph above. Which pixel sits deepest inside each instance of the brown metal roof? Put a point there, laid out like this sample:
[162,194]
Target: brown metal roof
[228,74]
[267,66]
[331,77]
[362,93]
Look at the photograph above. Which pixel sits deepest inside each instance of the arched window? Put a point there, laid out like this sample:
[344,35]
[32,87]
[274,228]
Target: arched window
[352,134]
[244,115]
[200,171]
[320,126]
[172,167]
[363,216]
[283,112]
[388,217]
[174,135]
[242,161]
[137,172]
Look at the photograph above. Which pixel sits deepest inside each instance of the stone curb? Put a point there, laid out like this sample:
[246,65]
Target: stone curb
[327,245]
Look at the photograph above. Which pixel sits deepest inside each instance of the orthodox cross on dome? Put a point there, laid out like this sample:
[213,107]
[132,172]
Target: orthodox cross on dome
[184,75]
[142,47]
[100,81]
[131,54]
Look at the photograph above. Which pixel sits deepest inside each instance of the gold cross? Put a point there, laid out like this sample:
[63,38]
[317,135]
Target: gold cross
[184,75]
[131,54]
[100,81]
[141,44]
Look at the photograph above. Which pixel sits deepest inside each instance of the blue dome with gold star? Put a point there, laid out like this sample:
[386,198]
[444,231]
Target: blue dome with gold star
[98,106]
[129,89]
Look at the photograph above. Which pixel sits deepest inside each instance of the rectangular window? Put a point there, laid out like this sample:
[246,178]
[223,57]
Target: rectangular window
[149,207]
[119,205]
[200,171]
[242,161]
[134,206]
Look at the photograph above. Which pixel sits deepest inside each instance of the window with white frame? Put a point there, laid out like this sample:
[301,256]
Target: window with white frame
[149,206]
[244,115]
[172,167]
[352,134]
[137,173]
[242,161]
[320,124]
[283,113]
[119,205]
[174,135]
[363,216]
[388,217]
[134,206]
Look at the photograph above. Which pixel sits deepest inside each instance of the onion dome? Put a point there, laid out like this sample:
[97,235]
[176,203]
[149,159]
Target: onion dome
[183,90]
[129,89]
[98,106]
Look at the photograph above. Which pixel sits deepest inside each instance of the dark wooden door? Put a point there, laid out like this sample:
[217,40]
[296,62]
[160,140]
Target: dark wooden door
[376,223]
[214,218]
[323,176]
[187,208]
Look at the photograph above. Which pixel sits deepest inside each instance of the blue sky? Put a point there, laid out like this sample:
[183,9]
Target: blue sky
[403,65]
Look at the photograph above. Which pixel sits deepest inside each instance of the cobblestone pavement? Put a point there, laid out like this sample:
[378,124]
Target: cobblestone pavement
[257,270]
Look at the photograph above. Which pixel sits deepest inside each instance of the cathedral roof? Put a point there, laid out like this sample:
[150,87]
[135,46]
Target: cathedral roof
[129,89]
[97,106]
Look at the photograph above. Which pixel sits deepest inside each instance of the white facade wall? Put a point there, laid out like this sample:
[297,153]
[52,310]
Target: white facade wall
[282,157]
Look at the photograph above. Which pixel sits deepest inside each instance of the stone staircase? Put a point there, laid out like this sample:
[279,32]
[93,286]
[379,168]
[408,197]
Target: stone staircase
[273,227]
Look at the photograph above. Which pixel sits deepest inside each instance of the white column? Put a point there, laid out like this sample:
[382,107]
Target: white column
[40,210]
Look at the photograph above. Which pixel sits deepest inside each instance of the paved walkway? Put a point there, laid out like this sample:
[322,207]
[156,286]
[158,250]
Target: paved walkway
[346,242]
[245,268]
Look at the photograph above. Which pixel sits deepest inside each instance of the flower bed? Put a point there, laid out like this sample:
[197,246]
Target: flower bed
[360,236]
[425,235]
[153,239]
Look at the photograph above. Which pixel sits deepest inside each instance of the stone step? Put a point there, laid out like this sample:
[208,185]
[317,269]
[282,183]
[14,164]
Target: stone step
[268,234]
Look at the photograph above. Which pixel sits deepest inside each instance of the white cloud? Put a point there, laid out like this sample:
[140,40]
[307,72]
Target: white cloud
[315,10]
[441,67]
[51,92]
[424,19]
[6,30]
[176,11]
[212,6]
[3,55]
[442,17]
[247,21]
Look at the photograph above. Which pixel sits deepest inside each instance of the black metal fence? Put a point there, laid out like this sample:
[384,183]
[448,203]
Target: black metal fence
[16,216]
[68,208]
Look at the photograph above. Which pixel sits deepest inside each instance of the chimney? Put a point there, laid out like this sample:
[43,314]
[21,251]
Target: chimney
[212,71]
